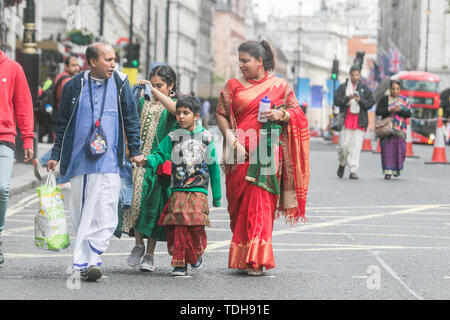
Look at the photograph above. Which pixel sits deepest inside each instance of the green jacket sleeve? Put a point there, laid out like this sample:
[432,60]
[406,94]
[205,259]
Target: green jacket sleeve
[160,155]
[214,174]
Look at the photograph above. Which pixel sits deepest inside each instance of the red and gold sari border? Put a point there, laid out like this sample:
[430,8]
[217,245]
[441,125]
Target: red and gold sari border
[254,254]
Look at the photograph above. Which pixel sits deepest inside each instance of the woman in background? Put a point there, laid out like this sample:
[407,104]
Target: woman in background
[393,148]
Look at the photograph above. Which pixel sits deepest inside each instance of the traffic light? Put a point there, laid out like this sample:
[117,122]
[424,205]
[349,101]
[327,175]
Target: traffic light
[132,55]
[335,69]
[359,59]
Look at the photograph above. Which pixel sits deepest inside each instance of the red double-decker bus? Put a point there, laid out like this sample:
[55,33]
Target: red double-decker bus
[422,90]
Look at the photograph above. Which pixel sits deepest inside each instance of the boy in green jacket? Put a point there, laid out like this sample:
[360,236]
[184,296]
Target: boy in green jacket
[194,162]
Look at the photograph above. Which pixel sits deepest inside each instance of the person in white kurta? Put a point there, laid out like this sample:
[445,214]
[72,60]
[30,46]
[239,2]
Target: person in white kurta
[95,181]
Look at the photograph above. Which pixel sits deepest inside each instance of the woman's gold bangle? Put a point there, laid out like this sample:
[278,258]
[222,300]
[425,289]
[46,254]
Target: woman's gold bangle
[285,116]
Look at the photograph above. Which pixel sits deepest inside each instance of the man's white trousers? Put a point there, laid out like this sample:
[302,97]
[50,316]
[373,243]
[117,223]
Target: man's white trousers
[349,148]
[93,208]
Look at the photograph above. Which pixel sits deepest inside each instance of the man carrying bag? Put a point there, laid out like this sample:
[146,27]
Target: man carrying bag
[97,113]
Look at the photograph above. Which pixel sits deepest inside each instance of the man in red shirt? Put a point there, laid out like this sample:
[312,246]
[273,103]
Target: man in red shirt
[16,106]
[71,68]
[354,99]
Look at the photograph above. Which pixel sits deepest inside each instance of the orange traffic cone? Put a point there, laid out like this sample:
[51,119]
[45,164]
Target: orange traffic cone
[378,150]
[367,144]
[409,142]
[335,137]
[439,156]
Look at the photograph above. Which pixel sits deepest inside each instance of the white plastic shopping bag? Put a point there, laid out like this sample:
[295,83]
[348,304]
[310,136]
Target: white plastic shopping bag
[50,227]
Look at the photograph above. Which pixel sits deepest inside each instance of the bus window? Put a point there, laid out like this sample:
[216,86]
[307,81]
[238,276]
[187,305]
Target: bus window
[414,85]
[415,100]
[423,113]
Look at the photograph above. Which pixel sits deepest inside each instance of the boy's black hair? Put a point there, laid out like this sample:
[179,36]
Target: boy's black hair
[189,102]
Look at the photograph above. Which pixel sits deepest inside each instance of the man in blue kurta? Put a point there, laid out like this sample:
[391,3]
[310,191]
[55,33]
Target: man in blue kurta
[100,97]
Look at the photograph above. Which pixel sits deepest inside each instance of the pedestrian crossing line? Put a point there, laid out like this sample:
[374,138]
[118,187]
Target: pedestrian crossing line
[423,219]
[21,221]
[217,209]
[22,204]
[444,213]
[25,200]
[219,230]
[376,235]
[321,216]
[56,255]
[406,206]
[341,245]
[334,223]
[341,249]
[392,226]
[8,232]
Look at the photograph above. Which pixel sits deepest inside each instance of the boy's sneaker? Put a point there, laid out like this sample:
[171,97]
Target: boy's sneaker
[135,257]
[93,273]
[2,258]
[198,264]
[148,263]
[179,271]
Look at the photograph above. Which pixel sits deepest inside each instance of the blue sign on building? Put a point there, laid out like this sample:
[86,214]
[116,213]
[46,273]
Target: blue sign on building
[304,90]
[316,97]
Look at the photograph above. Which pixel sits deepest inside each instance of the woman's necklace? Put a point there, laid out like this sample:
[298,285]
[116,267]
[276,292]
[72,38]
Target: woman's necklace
[258,81]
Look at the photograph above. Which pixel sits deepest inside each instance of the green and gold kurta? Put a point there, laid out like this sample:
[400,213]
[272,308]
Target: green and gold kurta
[150,192]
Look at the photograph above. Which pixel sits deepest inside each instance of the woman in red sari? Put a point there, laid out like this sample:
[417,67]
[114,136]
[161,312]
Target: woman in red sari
[254,202]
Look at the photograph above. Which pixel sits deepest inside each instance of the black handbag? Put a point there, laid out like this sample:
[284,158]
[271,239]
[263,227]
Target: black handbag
[337,123]
[98,142]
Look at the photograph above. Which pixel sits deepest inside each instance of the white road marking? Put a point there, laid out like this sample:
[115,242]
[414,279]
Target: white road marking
[334,223]
[15,230]
[25,202]
[376,235]
[395,276]
[393,226]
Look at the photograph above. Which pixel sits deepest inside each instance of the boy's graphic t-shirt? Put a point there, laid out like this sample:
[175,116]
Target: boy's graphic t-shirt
[194,161]
[189,160]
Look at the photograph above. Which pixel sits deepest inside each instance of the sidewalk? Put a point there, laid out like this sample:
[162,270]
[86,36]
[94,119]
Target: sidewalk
[23,177]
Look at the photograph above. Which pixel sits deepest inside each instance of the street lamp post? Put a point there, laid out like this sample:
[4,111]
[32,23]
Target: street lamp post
[147,44]
[297,62]
[102,16]
[2,26]
[428,35]
[29,60]
[131,20]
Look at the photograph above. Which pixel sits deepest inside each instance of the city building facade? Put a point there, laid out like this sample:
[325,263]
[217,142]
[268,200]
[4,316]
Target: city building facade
[421,31]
